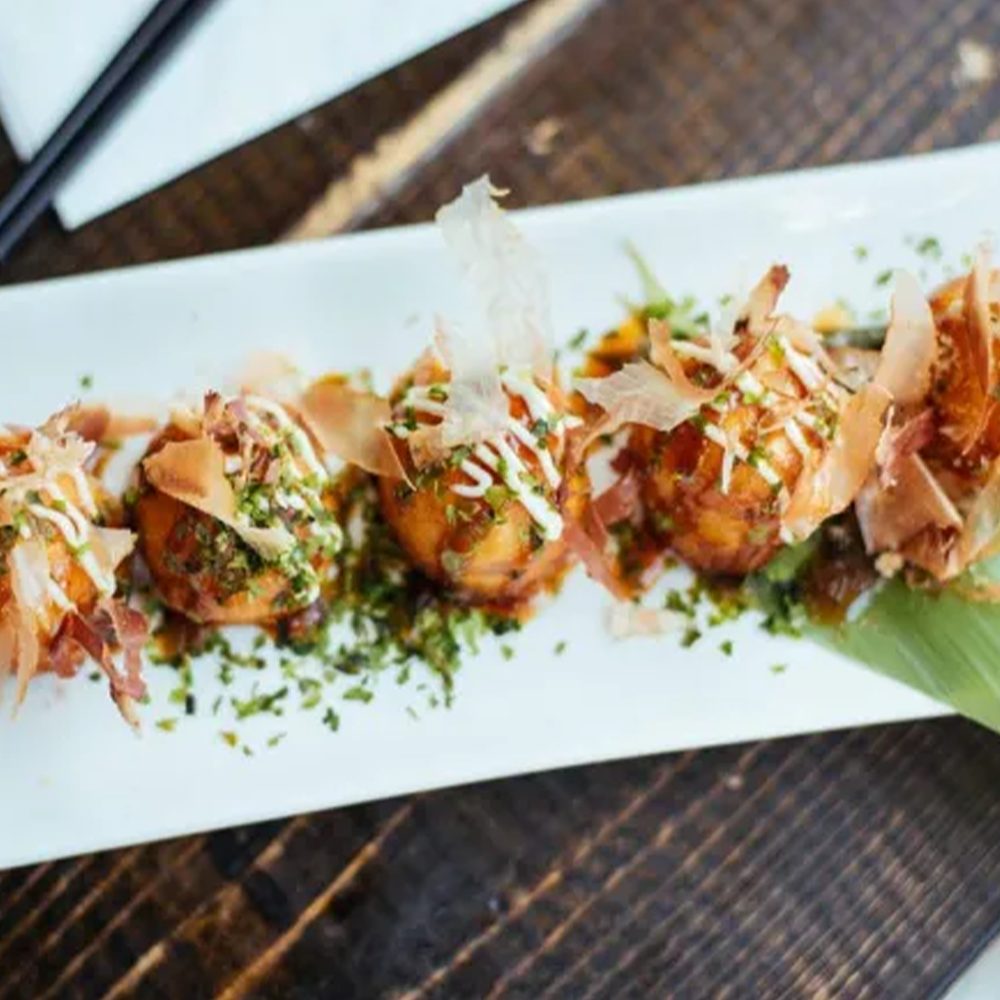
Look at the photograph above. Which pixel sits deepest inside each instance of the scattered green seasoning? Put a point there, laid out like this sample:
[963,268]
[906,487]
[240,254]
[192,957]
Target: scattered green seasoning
[378,613]
[260,703]
[358,693]
[683,602]
[930,248]
[381,615]
[690,637]
[86,382]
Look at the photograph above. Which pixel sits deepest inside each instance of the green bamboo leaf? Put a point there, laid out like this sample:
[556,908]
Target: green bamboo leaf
[941,644]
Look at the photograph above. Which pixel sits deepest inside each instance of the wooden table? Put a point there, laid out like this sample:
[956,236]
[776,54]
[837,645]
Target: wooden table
[864,864]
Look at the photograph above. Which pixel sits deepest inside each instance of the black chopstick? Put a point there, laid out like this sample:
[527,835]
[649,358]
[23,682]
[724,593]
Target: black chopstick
[119,82]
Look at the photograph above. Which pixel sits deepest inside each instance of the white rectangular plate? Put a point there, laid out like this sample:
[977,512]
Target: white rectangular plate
[74,779]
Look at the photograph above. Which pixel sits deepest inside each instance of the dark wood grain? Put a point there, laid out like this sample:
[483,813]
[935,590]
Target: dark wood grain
[857,865]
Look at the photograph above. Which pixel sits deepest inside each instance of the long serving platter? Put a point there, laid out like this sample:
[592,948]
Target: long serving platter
[73,779]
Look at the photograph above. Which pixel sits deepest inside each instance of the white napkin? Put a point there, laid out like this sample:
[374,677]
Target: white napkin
[247,66]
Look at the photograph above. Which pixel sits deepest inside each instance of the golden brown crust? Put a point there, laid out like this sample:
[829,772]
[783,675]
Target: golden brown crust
[64,569]
[721,533]
[200,567]
[483,554]
[726,533]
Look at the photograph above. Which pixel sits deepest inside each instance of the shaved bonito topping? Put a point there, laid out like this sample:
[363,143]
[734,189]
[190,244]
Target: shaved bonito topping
[509,330]
[351,424]
[641,393]
[830,483]
[45,493]
[303,453]
[763,299]
[890,516]
[40,495]
[630,621]
[274,478]
[906,363]
[505,353]
[497,459]
[662,396]
[100,424]
[976,302]
[507,277]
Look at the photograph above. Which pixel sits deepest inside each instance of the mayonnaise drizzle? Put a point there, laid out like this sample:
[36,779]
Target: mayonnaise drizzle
[794,434]
[53,506]
[806,370]
[497,457]
[803,367]
[722,360]
[79,542]
[305,469]
[58,596]
[301,444]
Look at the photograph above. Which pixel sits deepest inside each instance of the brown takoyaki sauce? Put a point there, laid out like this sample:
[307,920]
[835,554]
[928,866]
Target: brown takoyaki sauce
[839,573]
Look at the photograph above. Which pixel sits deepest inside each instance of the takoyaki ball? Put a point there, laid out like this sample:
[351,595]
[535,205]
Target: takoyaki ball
[715,486]
[235,513]
[933,505]
[58,563]
[965,371]
[746,438]
[488,520]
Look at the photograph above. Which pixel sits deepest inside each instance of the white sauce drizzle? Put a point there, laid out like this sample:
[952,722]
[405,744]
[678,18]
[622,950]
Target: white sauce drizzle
[723,361]
[806,370]
[301,445]
[795,435]
[79,542]
[58,596]
[305,465]
[54,507]
[749,385]
[84,493]
[496,457]
[728,461]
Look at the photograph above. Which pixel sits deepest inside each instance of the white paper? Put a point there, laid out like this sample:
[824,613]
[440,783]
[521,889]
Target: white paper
[248,66]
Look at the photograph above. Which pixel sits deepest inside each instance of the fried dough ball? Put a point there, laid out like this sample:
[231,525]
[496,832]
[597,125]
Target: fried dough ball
[236,514]
[714,486]
[72,585]
[743,438]
[958,398]
[488,521]
[934,502]
[58,586]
